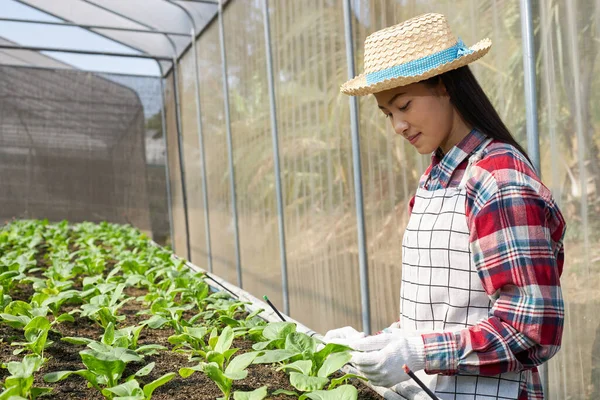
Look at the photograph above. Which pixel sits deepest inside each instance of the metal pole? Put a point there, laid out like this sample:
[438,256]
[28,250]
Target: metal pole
[86,26]
[75,51]
[181,162]
[533,140]
[358,192]
[167,173]
[274,133]
[230,147]
[200,136]
[202,156]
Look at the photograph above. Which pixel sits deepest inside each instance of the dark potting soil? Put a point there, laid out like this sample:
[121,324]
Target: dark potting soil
[63,356]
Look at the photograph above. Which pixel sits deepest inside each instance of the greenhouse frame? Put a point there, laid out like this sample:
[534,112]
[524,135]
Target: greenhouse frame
[240,152]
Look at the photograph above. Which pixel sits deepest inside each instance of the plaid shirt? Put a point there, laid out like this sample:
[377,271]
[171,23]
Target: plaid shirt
[516,241]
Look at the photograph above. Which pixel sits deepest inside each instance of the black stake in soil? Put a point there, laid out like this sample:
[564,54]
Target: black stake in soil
[273,307]
[419,382]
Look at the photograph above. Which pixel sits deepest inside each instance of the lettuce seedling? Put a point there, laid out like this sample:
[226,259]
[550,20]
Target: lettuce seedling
[346,392]
[125,337]
[36,334]
[235,370]
[131,389]
[258,394]
[167,313]
[103,308]
[20,382]
[18,314]
[310,369]
[104,367]
[250,326]
[274,335]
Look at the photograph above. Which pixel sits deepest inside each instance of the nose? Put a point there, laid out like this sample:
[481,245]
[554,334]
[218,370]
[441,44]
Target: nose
[400,126]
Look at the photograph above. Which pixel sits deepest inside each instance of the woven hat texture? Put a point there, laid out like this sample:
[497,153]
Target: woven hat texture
[412,51]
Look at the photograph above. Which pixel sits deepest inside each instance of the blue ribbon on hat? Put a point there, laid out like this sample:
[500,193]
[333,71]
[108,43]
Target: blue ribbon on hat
[421,65]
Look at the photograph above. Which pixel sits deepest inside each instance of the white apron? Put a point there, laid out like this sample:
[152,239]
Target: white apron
[441,290]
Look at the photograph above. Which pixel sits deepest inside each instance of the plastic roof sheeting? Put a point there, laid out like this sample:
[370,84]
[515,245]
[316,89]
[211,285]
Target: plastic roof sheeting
[146,15]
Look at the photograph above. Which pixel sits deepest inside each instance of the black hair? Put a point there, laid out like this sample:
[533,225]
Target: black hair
[473,105]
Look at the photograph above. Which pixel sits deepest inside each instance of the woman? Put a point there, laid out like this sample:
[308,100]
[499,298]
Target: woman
[480,305]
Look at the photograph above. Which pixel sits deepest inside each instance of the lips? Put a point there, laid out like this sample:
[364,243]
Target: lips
[413,139]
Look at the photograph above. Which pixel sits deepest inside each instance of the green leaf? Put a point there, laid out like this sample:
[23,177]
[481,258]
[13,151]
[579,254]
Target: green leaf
[322,354]
[307,383]
[188,371]
[39,391]
[155,322]
[109,334]
[145,370]
[273,356]
[258,394]
[58,376]
[278,330]
[254,314]
[229,321]
[346,392]
[338,381]
[286,392]
[302,366]
[125,389]
[225,340]
[152,386]
[300,343]
[213,372]
[76,340]
[65,318]
[333,363]
[241,362]
[213,356]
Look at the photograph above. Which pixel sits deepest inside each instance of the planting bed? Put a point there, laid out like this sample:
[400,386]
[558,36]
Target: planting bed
[101,300]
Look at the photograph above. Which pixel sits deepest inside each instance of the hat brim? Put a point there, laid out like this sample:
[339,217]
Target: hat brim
[358,86]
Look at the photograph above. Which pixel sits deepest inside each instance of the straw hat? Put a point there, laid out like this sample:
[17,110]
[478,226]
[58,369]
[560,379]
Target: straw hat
[412,51]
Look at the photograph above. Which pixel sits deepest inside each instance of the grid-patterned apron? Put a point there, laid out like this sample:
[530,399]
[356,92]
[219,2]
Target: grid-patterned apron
[441,290]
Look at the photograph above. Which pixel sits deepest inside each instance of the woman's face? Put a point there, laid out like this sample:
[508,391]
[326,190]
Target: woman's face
[423,115]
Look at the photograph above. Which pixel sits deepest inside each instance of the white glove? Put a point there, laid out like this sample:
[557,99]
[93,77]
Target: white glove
[342,335]
[383,367]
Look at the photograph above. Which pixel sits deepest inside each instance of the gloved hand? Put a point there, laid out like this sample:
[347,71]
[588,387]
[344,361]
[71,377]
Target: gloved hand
[341,335]
[380,358]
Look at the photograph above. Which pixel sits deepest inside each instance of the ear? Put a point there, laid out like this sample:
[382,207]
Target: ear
[441,88]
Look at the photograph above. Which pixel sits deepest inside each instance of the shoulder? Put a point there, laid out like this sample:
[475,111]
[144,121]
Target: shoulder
[504,169]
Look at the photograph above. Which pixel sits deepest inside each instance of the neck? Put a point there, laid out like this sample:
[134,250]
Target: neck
[460,130]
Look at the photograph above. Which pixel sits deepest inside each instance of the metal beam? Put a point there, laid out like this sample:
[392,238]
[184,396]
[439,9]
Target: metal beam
[89,52]
[533,140]
[238,261]
[97,33]
[200,138]
[213,2]
[75,69]
[180,146]
[358,192]
[277,168]
[87,27]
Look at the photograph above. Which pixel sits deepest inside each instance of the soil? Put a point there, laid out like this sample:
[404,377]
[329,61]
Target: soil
[63,356]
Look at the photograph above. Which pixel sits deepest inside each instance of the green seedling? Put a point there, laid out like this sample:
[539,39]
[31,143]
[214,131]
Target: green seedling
[131,389]
[251,327]
[19,385]
[223,378]
[125,337]
[36,334]
[104,367]
[18,314]
[103,308]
